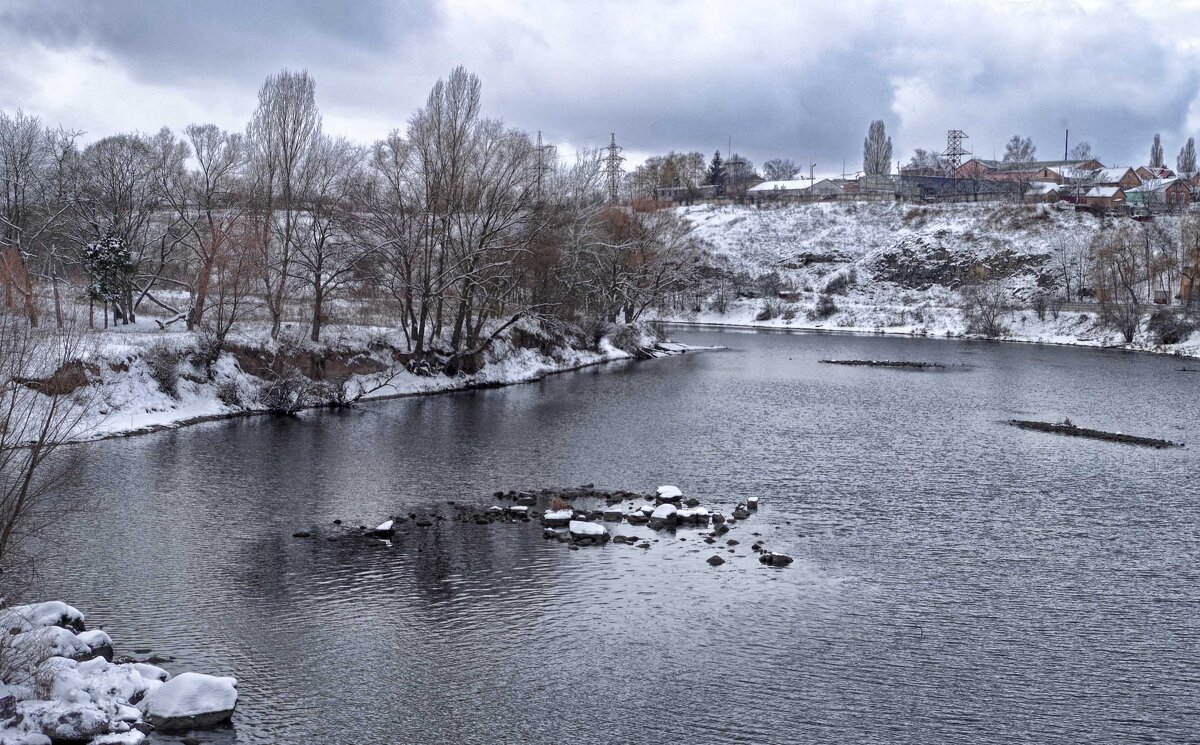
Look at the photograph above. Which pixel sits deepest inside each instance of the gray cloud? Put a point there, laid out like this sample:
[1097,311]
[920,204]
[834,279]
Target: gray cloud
[793,80]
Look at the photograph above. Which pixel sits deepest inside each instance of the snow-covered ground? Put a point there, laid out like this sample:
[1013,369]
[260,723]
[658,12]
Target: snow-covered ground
[896,268]
[128,397]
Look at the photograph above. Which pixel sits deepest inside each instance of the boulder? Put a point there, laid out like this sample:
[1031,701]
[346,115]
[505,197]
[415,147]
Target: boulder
[717,518]
[770,558]
[36,615]
[190,701]
[557,518]
[715,560]
[752,503]
[384,530]
[693,516]
[100,643]
[581,530]
[668,494]
[664,516]
[613,513]
[741,513]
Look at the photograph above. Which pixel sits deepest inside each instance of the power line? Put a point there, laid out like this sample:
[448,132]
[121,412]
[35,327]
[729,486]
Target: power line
[612,164]
[545,155]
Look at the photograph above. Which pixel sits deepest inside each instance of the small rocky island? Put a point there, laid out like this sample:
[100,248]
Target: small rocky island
[1067,427]
[581,517]
[900,364]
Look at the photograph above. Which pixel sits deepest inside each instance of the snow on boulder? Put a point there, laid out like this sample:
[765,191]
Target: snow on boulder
[384,530]
[37,615]
[669,493]
[98,642]
[49,641]
[557,517]
[664,516]
[191,700]
[580,529]
[693,515]
[63,721]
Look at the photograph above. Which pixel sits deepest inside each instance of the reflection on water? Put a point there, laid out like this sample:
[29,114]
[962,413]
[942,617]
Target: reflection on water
[956,579]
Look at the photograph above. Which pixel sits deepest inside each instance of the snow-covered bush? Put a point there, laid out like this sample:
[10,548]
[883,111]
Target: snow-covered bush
[985,307]
[823,308]
[162,362]
[1165,327]
[771,308]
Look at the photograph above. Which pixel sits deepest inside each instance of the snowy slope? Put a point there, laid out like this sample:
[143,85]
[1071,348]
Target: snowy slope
[894,268]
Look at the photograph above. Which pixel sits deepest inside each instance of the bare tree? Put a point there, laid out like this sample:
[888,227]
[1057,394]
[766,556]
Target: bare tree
[1118,262]
[877,150]
[328,255]
[780,169]
[1081,151]
[208,202]
[1020,150]
[44,402]
[282,133]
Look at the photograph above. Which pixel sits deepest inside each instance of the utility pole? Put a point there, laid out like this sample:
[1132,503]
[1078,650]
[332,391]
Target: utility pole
[612,165]
[1066,144]
[544,154]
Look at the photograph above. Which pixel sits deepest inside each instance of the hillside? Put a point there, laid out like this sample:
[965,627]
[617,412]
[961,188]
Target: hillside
[896,268]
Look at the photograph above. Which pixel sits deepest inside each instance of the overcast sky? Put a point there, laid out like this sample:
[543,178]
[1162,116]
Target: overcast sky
[783,79]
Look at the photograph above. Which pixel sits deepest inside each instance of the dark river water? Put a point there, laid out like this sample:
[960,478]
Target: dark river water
[957,580]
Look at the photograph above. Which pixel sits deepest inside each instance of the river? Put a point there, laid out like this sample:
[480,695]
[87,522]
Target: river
[956,579]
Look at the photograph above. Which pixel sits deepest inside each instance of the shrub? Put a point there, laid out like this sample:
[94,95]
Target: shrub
[1165,327]
[229,394]
[163,364]
[985,306]
[823,308]
[1125,318]
[771,308]
[789,313]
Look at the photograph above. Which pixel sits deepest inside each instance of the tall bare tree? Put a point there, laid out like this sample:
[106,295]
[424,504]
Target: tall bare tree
[877,150]
[1185,164]
[1156,152]
[283,131]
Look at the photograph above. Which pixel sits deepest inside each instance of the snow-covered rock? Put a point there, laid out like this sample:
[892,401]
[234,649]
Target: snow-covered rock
[752,502]
[693,515]
[557,518]
[45,642]
[770,558]
[580,529]
[99,643]
[384,529]
[664,516]
[669,494]
[37,615]
[191,700]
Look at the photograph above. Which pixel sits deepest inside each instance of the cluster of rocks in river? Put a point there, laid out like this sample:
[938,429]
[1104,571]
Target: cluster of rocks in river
[667,509]
[62,684]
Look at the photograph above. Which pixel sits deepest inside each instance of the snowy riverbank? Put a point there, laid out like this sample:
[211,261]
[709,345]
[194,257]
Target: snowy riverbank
[63,685]
[140,379]
[1070,328]
[890,268]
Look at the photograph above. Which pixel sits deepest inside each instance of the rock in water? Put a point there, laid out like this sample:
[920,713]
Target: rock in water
[581,530]
[664,516]
[669,494]
[557,518]
[752,503]
[771,558]
[384,530]
[715,560]
[190,701]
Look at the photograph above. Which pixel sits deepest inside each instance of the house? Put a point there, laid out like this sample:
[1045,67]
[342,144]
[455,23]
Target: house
[789,188]
[1149,173]
[1122,176]
[1042,191]
[1158,194]
[795,188]
[1104,198]
[1037,170]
